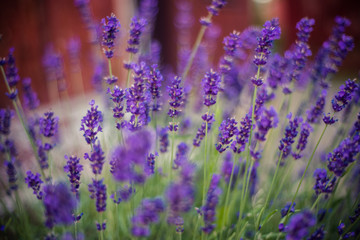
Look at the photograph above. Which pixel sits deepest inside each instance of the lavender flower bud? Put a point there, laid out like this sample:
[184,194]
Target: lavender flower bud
[285,210]
[34,182]
[154,85]
[98,191]
[318,234]
[117,96]
[73,168]
[176,101]
[227,130]
[299,225]
[30,97]
[269,119]
[150,164]
[211,87]
[136,28]
[181,155]
[164,139]
[242,137]
[5,121]
[110,27]
[11,69]
[200,134]
[290,134]
[322,182]
[344,96]
[91,123]
[215,6]
[315,111]
[11,173]
[48,124]
[96,158]
[304,134]
[231,43]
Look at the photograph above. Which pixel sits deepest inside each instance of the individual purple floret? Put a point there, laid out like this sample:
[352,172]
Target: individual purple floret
[30,97]
[34,182]
[176,93]
[48,124]
[117,97]
[154,84]
[323,183]
[344,96]
[290,134]
[110,27]
[299,225]
[212,199]
[231,43]
[270,32]
[242,137]
[211,87]
[164,139]
[318,234]
[97,158]
[98,191]
[228,128]
[268,119]
[315,112]
[59,205]
[101,227]
[329,120]
[302,142]
[136,28]
[181,155]
[91,123]
[148,212]
[343,155]
[5,121]
[73,168]
[135,98]
[285,211]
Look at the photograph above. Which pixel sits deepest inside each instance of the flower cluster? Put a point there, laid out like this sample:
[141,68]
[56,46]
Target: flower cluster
[344,96]
[30,97]
[211,87]
[314,113]
[73,168]
[299,225]
[5,121]
[323,184]
[164,139]
[117,96]
[285,211]
[200,134]
[231,43]
[176,101]
[110,27]
[48,124]
[227,129]
[34,182]
[242,136]
[269,119]
[154,84]
[136,28]
[290,134]
[91,123]
[97,191]
[11,73]
[181,155]
[302,142]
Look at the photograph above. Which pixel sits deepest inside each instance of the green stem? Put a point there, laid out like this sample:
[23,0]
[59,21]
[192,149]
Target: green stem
[172,148]
[205,159]
[196,227]
[129,71]
[110,69]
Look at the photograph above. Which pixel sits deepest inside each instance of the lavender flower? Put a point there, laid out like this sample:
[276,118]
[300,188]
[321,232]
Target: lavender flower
[356,215]
[318,234]
[200,134]
[211,87]
[91,123]
[215,6]
[344,96]
[11,173]
[98,191]
[329,120]
[11,69]
[276,70]
[269,119]
[150,164]
[110,27]
[34,182]
[136,28]
[96,158]
[59,205]
[323,183]
[242,137]
[304,134]
[285,211]
[164,139]
[5,121]
[42,154]
[30,97]
[48,124]
[181,155]
[73,168]
[154,84]
[211,201]
[176,101]
[117,96]
[147,213]
[299,225]
[290,134]
[231,43]
[227,130]
[315,111]
[123,194]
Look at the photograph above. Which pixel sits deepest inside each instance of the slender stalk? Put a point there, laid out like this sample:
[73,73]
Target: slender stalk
[205,159]
[172,148]
[196,227]
[129,71]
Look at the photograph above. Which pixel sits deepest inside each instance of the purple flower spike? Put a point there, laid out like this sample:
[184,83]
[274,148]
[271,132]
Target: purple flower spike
[59,205]
[96,158]
[30,97]
[73,168]
[150,164]
[11,173]
[318,234]
[215,6]
[299,225]
[314,113]
[291,132]
[323,183]
[242,137]
[117,96]
[136,28]
[11,69]
[164,139]
[304,134]
[200,134]
[110,26]
[34,182]
[231,43]
[154,85]
[304,27]
[209,210]
[211,87]
[344,96]
[181,155]
[48,124]
[98,191]
[329,120]
[176,93]
[285,210]
[5,121]
[91,123]
[276,70]
[227,129]
[269,119]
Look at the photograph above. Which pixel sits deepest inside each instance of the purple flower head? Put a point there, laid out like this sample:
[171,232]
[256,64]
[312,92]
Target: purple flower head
[231,43]
[136,29]
[212,199]
[215,6]
[329,120]
[181,155]
[285,210]
[291,132]
[117,97]
[242,136]
[354,217]
[146,213]
[228,128]
[96,158]
[110,27]
[318,234]
[30,97]
[322,182]
[11,69]
[150,164]
[98,191]
[176,97]
[48,124]
[34,182]
[164,139]
[54,65]
[344,96]
[299,225]
[269,33]
[11,173]
[268,119]
[110,79]
[304,27]
[154,85]
[304,134]
[276,70]
[42,154]
[211,87]
[59,205]
[123,194]
[314,113]
[73,168]
[91,123]
[200,134]
[5,121]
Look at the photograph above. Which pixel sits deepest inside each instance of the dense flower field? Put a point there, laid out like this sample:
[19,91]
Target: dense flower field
[258,146]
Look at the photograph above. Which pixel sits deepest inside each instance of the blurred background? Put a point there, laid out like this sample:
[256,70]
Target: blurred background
[56,45]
